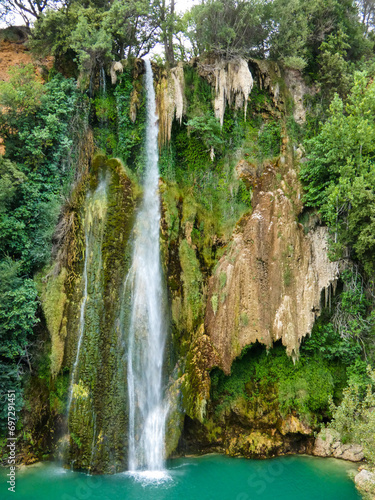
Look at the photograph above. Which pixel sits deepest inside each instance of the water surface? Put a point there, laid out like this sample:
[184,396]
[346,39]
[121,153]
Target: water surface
[212,477]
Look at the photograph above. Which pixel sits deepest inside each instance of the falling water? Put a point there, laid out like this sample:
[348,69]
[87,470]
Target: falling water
[147,411]
[96,207]
[81,323]
[102,82]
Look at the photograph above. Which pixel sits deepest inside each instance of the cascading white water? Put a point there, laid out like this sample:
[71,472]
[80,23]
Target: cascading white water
[81,323]
[94,214]
[147,411]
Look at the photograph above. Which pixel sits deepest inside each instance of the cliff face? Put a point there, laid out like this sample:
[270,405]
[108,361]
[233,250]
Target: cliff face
[268,284]
[14,52]
[255,279]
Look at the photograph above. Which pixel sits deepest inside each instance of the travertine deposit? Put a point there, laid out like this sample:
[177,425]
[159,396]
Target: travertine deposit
[269,283]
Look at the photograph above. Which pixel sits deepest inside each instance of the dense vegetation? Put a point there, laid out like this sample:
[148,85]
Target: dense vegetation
[41,122]
[37,124]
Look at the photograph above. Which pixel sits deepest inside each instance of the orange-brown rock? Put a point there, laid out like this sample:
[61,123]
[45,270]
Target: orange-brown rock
[15,53]
[268,285]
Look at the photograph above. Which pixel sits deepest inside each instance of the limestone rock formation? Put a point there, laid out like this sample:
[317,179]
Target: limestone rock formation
[298,90]
[268,285]
[365,482]
[328,444]
[170,101]
[116,67]
[232,82]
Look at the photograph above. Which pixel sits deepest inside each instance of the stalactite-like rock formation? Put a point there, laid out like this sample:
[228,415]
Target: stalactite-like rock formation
[170,101]
[232,82]
[268,285]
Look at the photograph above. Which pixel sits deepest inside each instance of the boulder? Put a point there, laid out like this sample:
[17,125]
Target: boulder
[328,444]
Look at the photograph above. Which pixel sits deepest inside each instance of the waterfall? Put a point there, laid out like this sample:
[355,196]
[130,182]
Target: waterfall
[81,323]
[95,212]
[147,411]
[102,82]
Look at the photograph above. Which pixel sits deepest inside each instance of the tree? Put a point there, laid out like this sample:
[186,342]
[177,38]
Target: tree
[334,71]
[339,176]
[300,27]
[20,96]
[28,9]
[354,418]
[167,22]
[367,13]
[94,37]
[228,27]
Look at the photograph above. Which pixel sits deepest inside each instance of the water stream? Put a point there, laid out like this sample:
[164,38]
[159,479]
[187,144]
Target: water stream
[95,210]
[147,411]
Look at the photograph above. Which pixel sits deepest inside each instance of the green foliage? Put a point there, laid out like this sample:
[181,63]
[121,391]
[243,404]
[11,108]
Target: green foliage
[354,418]
[10,379]
[206,129]
[269,140]
[96,34]
[192,279]
[89,40]
[76,439]
[130,135]
[20,95]
[294,384]
[339,176]
[302,27]
[10,178]
[17,318]
[36,125]
[201,159]
[334,69]
[330,345]
[346,333]
[18,308]
[227,27]
[40,143]
[58,393]
[105,132]
[198,91]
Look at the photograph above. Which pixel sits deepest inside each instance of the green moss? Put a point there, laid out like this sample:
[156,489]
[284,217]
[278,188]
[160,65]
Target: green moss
[130,135]
[54,300]
[214,303]
[100,402]
[192,283]
[304,387]
[244,318]
[287,275]
[222,279]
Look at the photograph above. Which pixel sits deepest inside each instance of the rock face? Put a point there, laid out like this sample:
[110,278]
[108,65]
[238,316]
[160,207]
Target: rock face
[328,444]
[298,90]
[14,52]
[252,430]
[268,285]
[365,482]
[232,82]
[170,101]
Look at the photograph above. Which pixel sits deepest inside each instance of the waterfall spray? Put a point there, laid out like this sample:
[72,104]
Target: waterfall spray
[147,411]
